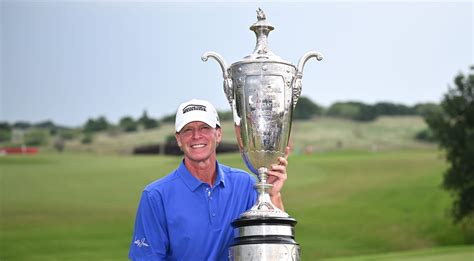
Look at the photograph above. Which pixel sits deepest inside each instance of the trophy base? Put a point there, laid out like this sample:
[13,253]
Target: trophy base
[264,239]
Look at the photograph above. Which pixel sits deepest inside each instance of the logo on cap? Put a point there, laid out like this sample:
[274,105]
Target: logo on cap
[194,107]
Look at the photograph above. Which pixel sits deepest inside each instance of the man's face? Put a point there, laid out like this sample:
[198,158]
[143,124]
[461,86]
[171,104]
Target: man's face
[199,141]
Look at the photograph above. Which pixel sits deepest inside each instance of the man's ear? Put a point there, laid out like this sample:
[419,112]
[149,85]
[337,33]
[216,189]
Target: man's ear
[218,135]
[176,135]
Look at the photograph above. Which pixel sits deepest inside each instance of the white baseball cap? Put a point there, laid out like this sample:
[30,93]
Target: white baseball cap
[196,110]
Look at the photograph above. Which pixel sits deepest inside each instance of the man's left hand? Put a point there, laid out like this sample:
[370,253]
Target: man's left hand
[277,175]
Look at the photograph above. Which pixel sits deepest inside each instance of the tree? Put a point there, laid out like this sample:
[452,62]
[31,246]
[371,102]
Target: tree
[366,113]
[146,122]
[128,124]
[168,118]
[388,108]
[5,126]
[5,132]
[21,125]
[352,110]
[48,125]
[342,110]
[102,123]
[44,125]
[306,109]
[93,125]
[453,127]
[424,109]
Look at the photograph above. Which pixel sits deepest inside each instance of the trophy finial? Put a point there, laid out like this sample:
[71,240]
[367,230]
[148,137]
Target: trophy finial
[260,14]
[262,28]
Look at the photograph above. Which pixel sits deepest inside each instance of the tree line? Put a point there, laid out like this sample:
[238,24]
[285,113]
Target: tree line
[305,109]
[37,134]
[358,111]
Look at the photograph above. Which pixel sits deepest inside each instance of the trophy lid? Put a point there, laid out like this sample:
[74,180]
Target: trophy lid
[262,28]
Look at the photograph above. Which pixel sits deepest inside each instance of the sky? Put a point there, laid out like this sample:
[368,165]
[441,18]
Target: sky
[68,61]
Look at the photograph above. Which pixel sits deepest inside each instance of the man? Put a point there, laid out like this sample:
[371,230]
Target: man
[186,215]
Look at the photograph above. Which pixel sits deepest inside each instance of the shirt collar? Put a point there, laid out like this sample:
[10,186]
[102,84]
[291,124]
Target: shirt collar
[193,183]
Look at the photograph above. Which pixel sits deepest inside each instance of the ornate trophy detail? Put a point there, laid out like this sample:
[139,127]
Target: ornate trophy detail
[262,90]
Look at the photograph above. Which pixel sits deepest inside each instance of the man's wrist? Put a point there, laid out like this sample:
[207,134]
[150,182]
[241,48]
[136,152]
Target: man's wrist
[277,201]
[275,196]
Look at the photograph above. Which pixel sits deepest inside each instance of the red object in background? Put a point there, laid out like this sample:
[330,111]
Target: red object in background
[19,150]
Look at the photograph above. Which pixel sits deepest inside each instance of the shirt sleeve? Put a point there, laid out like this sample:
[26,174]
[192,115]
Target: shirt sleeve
[150,240]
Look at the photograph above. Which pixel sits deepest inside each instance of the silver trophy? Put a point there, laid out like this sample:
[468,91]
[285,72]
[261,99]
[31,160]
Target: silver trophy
[262,90]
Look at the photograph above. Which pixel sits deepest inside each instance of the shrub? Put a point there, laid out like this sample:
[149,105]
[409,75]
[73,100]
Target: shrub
[306,109]
[87,138]
[5,135]
[36,137]
[68,134]
[425,135]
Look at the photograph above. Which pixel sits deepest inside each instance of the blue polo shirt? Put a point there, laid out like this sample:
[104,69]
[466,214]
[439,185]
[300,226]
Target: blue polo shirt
[181,218]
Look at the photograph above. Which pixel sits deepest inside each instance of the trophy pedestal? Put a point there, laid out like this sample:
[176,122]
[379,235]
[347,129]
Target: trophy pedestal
[264,238]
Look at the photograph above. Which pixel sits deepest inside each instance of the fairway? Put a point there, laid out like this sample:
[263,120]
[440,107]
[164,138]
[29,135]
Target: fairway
[434,254]
[347,203]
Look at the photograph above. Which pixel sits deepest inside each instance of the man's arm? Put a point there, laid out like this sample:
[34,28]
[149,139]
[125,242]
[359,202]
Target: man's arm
[149,240]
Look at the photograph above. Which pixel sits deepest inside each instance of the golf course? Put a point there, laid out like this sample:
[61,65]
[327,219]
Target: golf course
[365,191]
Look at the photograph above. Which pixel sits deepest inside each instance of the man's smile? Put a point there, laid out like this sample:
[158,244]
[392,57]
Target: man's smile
[198,146]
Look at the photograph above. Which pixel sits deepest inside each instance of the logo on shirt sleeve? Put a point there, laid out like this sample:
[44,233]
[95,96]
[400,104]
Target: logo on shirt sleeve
[140,243]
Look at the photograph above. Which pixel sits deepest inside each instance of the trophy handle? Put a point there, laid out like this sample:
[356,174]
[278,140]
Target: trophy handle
[229,92]
[299,73]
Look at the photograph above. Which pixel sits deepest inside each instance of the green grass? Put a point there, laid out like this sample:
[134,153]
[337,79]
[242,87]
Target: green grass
[360,203]
[435,254]
[347,203]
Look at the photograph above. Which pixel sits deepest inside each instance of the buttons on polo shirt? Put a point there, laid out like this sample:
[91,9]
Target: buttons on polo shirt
[212,204]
